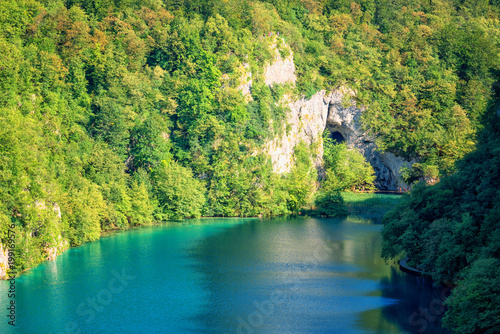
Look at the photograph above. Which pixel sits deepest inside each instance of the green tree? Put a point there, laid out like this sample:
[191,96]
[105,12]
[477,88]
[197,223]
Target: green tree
[179,194]
[330,204]
[474,306]
[301,182]
[346,168]
[149,143]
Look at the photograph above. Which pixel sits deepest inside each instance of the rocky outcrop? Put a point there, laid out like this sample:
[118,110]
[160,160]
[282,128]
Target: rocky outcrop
[345,120]
[306,122]
[335,111]
[4,262]
[58,246]
[306,119]
[281,71]
[309,118]
[388,167]
[245,82]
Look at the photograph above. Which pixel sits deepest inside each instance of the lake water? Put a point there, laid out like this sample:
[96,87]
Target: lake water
[227,276]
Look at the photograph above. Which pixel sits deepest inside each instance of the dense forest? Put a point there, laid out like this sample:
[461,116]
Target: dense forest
[115,113]
[452,230]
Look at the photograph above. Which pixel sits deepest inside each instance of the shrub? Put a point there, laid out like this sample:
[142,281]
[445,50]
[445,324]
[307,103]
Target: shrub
[330,204]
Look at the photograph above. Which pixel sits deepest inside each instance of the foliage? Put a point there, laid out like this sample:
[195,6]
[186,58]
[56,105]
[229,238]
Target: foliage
[330,204]
[346,168]
[179,194]
[473,305]
[301,182]
[95,94]
[451,229]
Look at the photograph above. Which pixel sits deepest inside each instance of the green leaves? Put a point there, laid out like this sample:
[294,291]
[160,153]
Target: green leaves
[120,112]
[108,124]
[301,182]
[179,194]
[330,204]
[451,229]
[474,304]
[149,143]
[346,168]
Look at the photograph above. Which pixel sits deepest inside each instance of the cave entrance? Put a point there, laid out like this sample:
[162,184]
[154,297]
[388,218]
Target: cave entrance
[337,137]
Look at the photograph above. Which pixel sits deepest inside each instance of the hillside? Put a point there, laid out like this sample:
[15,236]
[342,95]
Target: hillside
[120,113]
[452,230]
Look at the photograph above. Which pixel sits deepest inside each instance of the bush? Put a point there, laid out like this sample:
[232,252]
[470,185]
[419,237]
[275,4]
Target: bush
[300,183]
[179,194]
[330,204]
[346,168]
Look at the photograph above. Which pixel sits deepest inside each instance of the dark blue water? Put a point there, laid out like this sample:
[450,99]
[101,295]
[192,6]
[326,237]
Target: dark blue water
[227,276]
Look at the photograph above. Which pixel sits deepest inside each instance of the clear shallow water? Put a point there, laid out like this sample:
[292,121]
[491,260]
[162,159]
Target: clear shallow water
[227,276]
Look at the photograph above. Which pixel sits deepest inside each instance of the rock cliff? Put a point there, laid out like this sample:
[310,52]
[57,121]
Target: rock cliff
[4,262]
[50,250]
[335,111]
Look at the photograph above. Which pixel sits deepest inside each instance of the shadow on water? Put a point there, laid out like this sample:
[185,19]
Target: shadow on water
[420,305]
[348,290]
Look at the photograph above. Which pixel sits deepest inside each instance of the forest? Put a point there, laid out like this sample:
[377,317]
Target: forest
[452,230]
[118,113]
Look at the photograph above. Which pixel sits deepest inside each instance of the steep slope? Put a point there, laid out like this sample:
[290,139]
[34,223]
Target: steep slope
[452,229]
[335,112]
[120,113]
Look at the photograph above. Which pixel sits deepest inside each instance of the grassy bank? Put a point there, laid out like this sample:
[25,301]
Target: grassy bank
[372,204]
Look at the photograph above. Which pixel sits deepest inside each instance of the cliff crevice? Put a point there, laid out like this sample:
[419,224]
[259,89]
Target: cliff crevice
[335,111]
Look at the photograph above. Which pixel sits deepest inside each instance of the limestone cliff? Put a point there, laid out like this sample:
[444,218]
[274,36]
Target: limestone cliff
[51,249]
[4,262]
[335,111]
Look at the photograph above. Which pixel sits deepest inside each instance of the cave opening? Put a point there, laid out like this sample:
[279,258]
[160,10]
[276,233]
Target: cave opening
[337,137]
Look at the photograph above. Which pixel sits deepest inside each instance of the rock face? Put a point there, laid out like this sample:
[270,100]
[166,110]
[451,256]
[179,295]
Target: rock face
[280,71]
[58,247]
[334,111]
[4,262]
[345,122]
[307,121]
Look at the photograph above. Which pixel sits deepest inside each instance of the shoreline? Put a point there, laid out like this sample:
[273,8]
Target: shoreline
[403,266]
[112,231]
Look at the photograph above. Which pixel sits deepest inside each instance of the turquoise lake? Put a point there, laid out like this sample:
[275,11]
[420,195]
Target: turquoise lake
[295,275]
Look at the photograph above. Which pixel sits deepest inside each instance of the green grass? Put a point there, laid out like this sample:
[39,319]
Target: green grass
[375,205]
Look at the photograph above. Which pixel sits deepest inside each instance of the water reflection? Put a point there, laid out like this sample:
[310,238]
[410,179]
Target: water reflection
[231,276]
[420,304]
[306,276]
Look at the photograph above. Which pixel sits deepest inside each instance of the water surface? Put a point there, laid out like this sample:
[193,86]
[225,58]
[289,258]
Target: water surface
[228,276]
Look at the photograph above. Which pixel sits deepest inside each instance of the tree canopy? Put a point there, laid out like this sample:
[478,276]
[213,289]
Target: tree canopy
[119,113]
[452,230]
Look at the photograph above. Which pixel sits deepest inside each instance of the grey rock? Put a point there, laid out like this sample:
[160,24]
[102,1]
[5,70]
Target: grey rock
[4,261]
[334,111]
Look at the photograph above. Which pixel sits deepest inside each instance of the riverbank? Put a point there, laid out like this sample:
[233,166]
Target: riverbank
[372,204]
[403,265]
